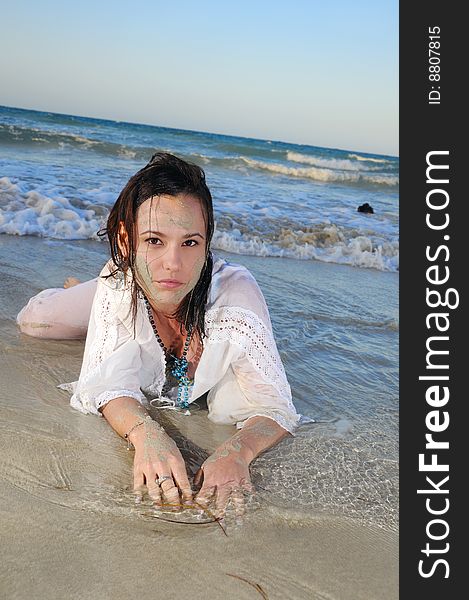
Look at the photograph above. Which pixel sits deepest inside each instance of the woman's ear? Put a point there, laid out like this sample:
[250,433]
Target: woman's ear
[123,241]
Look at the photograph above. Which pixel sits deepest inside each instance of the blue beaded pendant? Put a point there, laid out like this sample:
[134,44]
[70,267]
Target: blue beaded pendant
[178,366]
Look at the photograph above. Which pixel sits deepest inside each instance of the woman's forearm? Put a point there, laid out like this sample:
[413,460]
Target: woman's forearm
[258,434]
[124,413]
[157,459]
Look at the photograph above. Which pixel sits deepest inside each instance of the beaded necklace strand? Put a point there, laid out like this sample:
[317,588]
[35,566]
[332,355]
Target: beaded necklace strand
[174,365]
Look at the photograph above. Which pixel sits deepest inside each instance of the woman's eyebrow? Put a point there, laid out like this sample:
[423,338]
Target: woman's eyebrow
[196,234]
[188,235]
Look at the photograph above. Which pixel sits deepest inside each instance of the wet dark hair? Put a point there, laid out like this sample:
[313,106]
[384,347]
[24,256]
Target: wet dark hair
[165,174]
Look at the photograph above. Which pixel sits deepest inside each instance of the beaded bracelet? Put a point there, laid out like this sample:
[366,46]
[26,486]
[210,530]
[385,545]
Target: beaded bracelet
[147,418]
[126,435]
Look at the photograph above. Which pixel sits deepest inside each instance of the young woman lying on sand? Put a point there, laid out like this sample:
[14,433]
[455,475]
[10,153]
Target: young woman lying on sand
[169,322]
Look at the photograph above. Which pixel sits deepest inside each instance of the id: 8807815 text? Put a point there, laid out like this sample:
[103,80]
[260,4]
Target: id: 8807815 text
[434,69]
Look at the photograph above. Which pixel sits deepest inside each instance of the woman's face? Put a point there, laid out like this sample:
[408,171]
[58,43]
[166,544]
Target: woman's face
[170,251]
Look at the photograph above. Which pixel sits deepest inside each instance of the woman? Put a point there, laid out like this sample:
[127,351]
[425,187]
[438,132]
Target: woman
[170,322]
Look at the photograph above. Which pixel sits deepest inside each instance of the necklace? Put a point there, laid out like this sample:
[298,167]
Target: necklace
[174,365]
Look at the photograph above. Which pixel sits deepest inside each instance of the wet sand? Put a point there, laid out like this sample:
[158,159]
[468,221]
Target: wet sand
[70,528]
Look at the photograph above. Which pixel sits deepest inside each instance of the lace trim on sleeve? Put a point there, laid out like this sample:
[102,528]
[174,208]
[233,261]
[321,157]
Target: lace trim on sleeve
[86,403]
[106,397]
[244,328]
[288,424]
[105,333]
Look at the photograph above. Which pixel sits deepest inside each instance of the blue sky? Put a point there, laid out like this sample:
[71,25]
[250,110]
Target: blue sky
[309,72]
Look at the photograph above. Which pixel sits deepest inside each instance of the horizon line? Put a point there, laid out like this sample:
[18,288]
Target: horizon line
[245,137]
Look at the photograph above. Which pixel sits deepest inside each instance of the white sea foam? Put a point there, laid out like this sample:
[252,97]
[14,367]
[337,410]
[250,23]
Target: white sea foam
[321,174]
[328,163]
[79,138]
[358,252]
[368,158]
[48,214]
[126,153]
[33,213]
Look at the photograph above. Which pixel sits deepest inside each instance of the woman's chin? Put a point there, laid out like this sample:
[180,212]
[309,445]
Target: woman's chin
[168,298]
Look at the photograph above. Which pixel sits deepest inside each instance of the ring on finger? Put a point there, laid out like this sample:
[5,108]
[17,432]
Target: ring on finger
[163,478]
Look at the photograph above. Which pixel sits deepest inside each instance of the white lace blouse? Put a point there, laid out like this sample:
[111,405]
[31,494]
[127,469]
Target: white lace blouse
[240,367]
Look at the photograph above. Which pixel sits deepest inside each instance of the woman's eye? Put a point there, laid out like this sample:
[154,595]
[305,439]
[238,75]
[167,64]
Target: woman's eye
[157,242]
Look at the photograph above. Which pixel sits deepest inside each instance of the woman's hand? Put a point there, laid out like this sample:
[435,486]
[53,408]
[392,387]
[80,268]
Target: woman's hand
[158,458]
[225,475]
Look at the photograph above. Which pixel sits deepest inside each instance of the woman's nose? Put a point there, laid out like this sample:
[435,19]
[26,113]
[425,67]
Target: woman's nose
[172,259]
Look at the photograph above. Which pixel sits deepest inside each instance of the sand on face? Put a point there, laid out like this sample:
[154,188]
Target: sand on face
[70,529]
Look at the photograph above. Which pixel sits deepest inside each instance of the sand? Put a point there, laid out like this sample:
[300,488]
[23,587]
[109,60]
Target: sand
[69,527]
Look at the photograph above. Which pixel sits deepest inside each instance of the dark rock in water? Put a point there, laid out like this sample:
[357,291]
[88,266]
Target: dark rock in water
[366,208]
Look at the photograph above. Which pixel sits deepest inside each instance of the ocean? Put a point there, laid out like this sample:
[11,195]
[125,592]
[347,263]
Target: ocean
[289,213]
[60,175]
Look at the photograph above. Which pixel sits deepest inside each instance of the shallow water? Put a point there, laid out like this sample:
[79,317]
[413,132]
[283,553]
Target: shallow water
[340,354]
[323,521]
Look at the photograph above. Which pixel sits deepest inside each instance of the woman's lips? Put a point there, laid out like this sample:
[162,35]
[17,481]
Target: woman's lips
[170,283]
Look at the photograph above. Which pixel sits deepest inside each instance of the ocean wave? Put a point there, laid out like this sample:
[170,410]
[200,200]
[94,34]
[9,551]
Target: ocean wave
[12,134]
[16,134]
[324,170]
[326,244]
[325,175]
[32,212]
[368,158]
[242,148]
[328,163]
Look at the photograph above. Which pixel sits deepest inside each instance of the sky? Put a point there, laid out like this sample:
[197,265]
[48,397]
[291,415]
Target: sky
[305,71]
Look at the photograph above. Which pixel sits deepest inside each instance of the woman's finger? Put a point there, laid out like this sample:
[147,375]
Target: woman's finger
[139,486]
[247,487]
[237,498]
[170,492]
[182,481]
[139,492]
[198,477]
[154,489]
[205,495]
[222,499]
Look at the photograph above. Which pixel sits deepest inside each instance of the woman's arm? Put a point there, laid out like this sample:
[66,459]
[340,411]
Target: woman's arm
[225,473]
[257,435]
[253,392]
[156,454]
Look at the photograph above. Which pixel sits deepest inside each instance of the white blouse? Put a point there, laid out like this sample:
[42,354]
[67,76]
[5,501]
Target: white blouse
[240,367]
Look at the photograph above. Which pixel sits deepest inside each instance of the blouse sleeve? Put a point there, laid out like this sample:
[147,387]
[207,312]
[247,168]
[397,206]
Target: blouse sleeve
[59,313]
[111,361]
[255,384]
